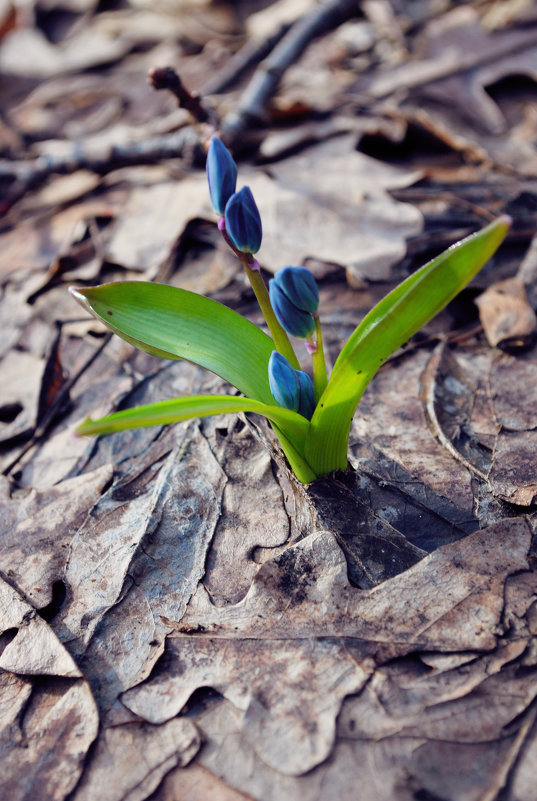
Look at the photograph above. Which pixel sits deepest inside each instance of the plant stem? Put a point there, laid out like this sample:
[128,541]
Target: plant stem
[281,340]
[319,365]
[297,462]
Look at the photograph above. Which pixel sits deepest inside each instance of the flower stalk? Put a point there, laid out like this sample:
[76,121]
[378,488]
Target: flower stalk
[320,377]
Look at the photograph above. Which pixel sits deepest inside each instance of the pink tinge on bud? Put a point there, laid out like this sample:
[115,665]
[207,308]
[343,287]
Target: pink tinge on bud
[311,347]
[254,265]
[221,224]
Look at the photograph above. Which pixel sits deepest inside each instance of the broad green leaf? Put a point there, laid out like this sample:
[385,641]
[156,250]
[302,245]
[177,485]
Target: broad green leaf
[176,324]
[177,409]
[388,326]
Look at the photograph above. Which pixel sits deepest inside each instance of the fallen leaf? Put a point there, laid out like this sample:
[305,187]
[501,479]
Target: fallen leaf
[19,394]
[43,753]
[301,618]
[130,761]
[399,431]
[456,45]
[36,528]
[152,219]
[35,649]
[85,49]
[512,474]
[307,213]
[506,315]
[194,782]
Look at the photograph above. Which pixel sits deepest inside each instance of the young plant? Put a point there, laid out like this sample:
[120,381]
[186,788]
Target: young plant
[311,419]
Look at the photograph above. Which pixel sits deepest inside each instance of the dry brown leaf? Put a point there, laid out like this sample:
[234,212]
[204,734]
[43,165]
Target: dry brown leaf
[457,45]
[506,315]
[34,649]
[152,220]
[331,203]
[512,386]
[136,520]
[193,783]
[19,394]
[36,528]
[33,245]
[302,622]
[43,753]
[252,512]
[391,418]
[130,761]
[512,474]
[85,49]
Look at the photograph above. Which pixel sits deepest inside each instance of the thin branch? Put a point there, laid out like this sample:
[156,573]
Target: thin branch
[167,78]
[22,175]
[254,51]
[253,105]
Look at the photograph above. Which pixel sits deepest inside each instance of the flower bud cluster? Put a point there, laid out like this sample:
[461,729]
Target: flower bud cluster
[291,303]
[239,209]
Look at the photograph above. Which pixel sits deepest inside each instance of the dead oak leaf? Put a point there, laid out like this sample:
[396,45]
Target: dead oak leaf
[130,761]
[36,527]
[303,638]
[34,648]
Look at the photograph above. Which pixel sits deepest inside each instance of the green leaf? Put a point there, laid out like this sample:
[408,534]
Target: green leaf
[177,409]
[175,324]
[388,326]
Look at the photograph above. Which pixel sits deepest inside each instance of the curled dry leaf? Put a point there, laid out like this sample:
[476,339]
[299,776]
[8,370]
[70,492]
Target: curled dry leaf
[392,420]
[512,386]
[506,315]
[333,203]
[34,649]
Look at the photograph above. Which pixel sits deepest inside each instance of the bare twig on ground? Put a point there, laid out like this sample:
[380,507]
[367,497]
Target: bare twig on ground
[167,78]
[247,57]
[21,176]
[252,107]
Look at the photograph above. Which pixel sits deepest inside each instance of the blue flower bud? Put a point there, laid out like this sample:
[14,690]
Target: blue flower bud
[283,381]
[306,403]
[291,389]
[243,223]
[295,298]
[221,174]
[300,287]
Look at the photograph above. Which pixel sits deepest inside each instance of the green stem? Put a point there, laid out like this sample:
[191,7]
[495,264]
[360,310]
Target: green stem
[281,340]
[297,462]
[319,364]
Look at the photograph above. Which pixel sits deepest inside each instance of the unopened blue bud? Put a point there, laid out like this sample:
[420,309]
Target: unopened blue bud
[243,223]
[283,381]
[291,389]
[221,174]
[300,287]
[295,298]
[295,321]
[306,403]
